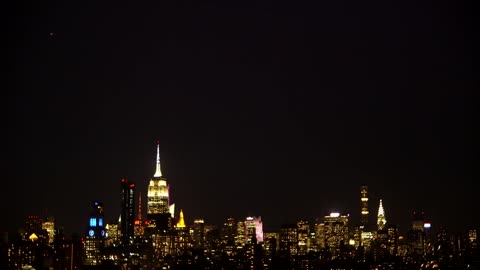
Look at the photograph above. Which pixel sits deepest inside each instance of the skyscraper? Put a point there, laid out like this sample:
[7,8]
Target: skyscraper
[138,223]
[181,221]
[364,206]
[381,220]
[49,226]
[418,220]
[158,203]
[127,211]
[254,229]
[95,236]
[335,232]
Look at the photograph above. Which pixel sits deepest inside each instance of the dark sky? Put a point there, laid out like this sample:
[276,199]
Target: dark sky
[281,110]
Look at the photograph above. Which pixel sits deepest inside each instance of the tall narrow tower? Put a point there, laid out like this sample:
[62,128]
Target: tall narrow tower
[158,206]
[127,211]
[364,206]
[95,239]
[138,227]
[381,220]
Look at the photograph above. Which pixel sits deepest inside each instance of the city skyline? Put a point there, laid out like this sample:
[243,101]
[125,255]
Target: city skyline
[355,218]
[275,110]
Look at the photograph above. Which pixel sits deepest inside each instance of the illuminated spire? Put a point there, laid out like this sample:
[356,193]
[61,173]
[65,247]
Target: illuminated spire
[381,220]
[181,221]
[158,172]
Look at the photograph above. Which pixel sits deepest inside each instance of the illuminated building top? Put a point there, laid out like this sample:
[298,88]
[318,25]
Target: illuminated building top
[158,171]
[381,220]
[334,214]
[181,221]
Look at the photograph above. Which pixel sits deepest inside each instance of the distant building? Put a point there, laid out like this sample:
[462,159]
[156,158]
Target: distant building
[30,247]
[198,233]
[49,226]
[112,234]
[228,232]
[364,214]
[334,232]
[253,229]
[381,219]
[303,230]
[288,244]
[240,240]
[418,220]
[183,241]
[33,224]
[159,210]
[392,239]
[96,233]
[127,211]
[271,242]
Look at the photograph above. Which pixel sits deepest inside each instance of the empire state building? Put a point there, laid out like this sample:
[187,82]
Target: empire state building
[159,210]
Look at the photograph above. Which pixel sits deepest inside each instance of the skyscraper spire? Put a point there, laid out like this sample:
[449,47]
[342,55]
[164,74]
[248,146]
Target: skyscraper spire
[181,221]
[158,171]
[381,220]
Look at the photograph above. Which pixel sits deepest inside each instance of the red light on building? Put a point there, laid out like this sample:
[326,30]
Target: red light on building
[132,185]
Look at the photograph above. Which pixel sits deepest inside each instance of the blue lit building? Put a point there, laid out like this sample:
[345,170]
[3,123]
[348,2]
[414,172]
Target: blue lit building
[95,237]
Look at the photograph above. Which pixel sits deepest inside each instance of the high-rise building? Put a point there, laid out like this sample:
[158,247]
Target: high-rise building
[49,226]
[303,230]
[335,232]
[228,232]
[183,239]
[472,242]
[288,244]
[240,240]
[113,234]
[271,242]
[33,224]
[138,223]
[158,200]
[381,220]
[94,241]
[198,232]
[392,240]
[319,228]
[254,229]
[364,206]
[418,220]
[127,211]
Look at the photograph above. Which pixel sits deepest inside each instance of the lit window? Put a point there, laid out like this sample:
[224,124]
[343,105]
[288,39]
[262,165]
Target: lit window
[93,222]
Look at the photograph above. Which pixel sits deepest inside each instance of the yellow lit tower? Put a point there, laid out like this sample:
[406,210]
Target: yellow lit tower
[381,220]
[159,210]
[181,221]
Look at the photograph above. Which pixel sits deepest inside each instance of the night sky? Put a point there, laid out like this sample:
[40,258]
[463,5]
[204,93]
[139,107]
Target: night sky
[281,110]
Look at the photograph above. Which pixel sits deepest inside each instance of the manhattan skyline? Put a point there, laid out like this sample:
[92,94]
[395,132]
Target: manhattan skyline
[272,110]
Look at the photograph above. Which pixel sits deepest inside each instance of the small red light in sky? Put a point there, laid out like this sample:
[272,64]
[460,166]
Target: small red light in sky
[132,185]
